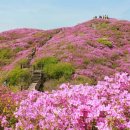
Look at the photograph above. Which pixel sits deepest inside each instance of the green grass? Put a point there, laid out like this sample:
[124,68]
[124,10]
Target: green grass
[86,61]
[102,25]
[18,49]
[6,53]
[23,62]
[71,48]
[101,60]
[45,61]
[53,69]
[2,38]
[56,71]
[115,28]
[105,41]
[19,77]
[53,84]
[83,80]
[5,56]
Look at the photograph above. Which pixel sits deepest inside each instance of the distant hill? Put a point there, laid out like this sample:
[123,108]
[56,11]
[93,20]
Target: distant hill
[96,48]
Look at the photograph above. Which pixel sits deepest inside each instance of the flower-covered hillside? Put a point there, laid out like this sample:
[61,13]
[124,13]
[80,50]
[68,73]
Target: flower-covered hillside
[96,48]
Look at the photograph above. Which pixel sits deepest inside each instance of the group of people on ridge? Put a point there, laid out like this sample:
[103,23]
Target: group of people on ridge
[102,17]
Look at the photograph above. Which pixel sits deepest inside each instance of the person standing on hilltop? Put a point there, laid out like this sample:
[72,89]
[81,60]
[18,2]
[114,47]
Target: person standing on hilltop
[33,51]
[100,17]
[5,83]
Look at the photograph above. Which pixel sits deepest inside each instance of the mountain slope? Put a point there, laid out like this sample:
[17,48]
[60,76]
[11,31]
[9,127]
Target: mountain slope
[96,48]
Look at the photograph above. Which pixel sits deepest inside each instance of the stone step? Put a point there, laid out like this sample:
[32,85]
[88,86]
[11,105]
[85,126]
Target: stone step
[35,80]
[36,75]
[32,86]
[39,76]
[37,72]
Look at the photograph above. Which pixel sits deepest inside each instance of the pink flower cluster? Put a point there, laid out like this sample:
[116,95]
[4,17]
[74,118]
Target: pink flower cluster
[105,106]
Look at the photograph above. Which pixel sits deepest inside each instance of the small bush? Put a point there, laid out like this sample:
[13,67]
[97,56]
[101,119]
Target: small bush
[101,60]
[30,42]
[114,65]
[102,25]
[7,107]
[86,61]
[56,71]
[71,48]
[115,57]
[5,56]
[18,49]
[4,62]
[105,42]
[19,76]
[115,28]
[2,38]
[6,53]
[83,80]
[53,84]
[45,61]
[23,61]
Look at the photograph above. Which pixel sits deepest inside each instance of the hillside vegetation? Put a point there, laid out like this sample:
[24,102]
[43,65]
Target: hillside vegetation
[79,57]
[93,49]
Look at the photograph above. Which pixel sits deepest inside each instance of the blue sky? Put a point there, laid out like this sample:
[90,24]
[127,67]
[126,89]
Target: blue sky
[48,14]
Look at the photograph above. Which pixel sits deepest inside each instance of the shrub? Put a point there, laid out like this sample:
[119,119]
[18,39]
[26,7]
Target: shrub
[53,84]
[30,42]
[86,61]
[71,47]
[115,28]
[59,70]
[2,38]
[83,80]
[101,60]
[14,35]
[102,25]
[4,62]
[18,76]
[23,61]
[9,103]
[104,41]
[105,106]
[114,65]
[6,53]
[5,56]
[18,49]
[55,72]
[7,108]
[45,61]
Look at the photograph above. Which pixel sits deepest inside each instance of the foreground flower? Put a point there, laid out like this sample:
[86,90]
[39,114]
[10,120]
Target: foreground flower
[105,106]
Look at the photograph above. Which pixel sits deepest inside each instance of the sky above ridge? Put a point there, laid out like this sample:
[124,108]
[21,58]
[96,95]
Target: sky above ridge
[48,14]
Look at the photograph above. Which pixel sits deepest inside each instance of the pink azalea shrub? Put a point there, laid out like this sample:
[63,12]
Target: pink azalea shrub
[105,106]
[9,102]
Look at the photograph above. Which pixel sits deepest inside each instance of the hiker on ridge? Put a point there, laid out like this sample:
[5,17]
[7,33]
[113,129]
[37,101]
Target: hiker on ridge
[33,52]
[5,83]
